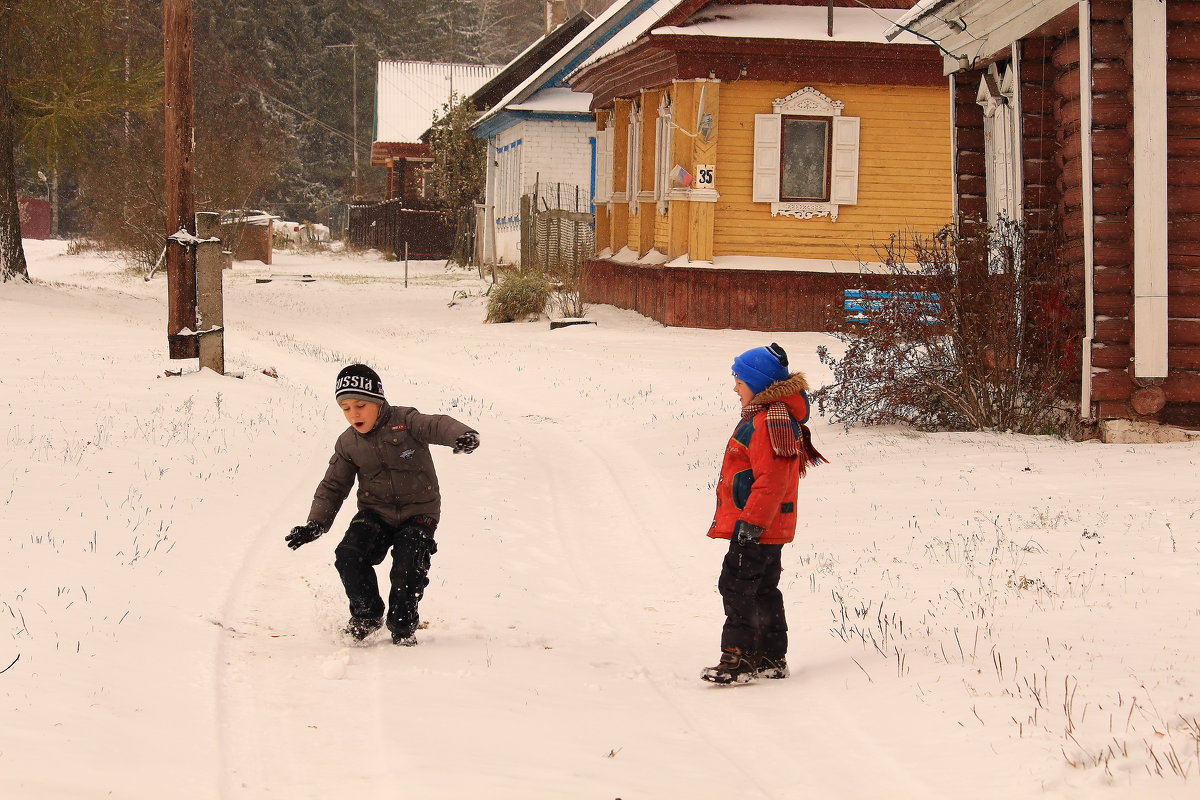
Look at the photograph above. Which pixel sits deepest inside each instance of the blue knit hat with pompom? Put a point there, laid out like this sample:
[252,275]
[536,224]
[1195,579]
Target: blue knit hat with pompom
[762,366]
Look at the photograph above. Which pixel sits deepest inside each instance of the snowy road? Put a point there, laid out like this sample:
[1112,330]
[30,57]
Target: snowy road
[572,601]
[956,602]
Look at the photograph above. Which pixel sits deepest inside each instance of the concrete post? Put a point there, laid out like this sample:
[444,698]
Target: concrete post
[210,303]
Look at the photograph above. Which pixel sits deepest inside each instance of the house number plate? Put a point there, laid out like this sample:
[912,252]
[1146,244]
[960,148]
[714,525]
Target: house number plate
[705,176]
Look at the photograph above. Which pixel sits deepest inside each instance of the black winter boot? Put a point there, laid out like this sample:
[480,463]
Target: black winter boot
[359,628]
[734,667]
[774,667]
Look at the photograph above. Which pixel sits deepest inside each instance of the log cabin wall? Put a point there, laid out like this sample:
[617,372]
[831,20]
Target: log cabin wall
[969,160]
[1115,392]
[1041,193]
[1182,387]
[1112,193]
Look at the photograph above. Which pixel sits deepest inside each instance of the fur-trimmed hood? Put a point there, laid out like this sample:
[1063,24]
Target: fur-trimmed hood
[794,386]
[795,382]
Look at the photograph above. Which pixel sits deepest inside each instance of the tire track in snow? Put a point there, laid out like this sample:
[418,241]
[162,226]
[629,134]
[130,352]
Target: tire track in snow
[580,563]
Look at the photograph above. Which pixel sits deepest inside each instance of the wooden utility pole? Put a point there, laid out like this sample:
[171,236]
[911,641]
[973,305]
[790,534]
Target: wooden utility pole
[179,186]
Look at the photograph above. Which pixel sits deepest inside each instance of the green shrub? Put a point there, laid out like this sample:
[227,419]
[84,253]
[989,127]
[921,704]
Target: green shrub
[518,296]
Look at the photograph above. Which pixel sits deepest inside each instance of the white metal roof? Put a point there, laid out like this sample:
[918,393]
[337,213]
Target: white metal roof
[556,99]
[409,94]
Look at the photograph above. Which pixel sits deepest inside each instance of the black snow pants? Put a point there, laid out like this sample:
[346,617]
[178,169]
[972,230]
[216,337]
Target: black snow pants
[364,547]
[749,586]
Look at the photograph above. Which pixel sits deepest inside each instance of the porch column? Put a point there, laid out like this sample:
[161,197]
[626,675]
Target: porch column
[618,209]
[704,187]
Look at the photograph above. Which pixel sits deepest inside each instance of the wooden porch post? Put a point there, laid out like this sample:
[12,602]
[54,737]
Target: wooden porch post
[704,198]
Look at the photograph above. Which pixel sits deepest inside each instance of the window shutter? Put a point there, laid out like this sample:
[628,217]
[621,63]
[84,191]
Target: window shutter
[603,184]
[844,186]
[767,134]
[607,152]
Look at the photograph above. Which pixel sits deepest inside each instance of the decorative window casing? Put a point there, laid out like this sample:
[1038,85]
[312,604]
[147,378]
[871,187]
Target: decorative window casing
[804,148]
[662,153]
[997,92]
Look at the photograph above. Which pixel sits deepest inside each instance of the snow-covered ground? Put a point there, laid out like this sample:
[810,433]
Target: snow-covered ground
[973,616]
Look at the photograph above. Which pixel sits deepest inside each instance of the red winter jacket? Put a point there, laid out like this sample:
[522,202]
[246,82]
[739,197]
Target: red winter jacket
[756,485]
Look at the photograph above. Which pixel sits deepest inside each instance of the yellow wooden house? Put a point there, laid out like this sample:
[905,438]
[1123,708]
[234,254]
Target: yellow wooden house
[753,159]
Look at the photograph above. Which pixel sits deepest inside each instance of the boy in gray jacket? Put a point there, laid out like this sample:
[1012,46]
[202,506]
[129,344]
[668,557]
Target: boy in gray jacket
[387,449]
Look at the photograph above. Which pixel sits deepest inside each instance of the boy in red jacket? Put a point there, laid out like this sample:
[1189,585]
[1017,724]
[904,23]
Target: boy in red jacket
[765,458]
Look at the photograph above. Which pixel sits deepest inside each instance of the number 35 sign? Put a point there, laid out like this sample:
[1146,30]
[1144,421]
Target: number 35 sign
[705,176]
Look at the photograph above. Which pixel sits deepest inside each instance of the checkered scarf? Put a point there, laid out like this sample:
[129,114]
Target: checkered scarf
[783,439]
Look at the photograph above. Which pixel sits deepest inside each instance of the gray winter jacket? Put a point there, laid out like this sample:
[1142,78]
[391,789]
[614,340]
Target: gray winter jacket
[393,465]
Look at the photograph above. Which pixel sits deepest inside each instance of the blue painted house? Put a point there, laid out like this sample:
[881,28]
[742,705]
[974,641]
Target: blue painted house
[542,136]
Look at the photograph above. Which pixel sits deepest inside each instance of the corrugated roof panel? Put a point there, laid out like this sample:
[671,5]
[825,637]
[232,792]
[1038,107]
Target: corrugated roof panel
[408,94]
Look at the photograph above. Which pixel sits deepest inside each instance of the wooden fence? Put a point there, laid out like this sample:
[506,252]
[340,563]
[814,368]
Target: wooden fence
[764,300]
[388,226]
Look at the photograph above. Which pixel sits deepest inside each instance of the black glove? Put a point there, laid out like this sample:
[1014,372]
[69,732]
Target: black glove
[744,533]
[466,443]
[303,534]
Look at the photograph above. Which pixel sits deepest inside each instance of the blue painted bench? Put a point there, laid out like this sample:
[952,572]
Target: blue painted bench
[858,302]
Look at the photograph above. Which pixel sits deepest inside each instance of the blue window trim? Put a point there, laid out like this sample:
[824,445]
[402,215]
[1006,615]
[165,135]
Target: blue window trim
[592,195]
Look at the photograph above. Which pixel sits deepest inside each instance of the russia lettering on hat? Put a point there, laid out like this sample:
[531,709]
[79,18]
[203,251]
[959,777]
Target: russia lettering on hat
[358,381]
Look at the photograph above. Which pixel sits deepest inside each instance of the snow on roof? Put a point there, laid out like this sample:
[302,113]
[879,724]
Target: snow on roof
[601,26]
[409,94]
[921,9]
[556,99]
[633,30]
[791,22]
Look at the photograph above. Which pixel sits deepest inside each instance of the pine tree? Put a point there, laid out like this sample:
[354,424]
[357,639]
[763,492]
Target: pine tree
[456,177]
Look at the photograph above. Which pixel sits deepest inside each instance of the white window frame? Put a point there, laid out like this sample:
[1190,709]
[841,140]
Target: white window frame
[843,155]
[997,94]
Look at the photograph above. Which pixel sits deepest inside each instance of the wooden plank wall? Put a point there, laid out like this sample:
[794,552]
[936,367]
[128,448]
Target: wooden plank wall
[739,299]
[904,173]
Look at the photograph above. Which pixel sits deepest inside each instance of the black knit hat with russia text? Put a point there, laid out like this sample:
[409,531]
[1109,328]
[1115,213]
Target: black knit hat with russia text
[359,382]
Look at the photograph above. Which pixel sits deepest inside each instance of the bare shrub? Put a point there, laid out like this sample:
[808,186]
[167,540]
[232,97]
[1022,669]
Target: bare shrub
[992,345]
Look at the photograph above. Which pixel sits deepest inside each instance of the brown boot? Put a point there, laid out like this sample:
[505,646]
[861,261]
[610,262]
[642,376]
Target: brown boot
[774,667]
[734,667]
